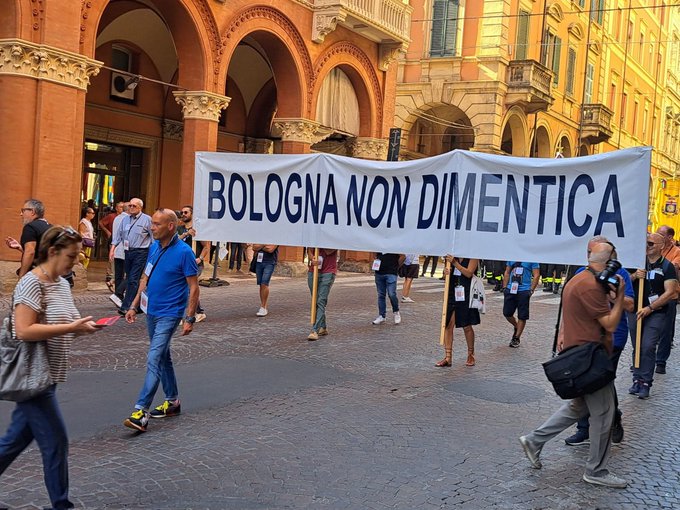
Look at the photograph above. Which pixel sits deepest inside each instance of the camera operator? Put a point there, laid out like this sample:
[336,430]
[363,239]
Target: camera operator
[660,289]
[587,317]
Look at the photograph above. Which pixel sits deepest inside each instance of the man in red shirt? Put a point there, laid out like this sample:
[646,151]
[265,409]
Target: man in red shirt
[328,267]
[587,318]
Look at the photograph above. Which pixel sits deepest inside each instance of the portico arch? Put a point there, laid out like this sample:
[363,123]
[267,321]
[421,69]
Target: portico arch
[514,137]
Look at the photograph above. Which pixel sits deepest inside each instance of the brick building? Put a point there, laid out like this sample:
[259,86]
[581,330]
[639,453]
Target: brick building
[102,100]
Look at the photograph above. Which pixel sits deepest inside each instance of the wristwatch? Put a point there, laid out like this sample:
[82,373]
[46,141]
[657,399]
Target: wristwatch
[190,319]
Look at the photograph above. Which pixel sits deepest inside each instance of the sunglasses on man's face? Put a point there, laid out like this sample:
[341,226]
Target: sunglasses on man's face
[651,243]
[24,209]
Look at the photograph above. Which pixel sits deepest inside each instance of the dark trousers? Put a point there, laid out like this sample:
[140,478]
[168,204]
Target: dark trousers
[434,260]
[584,423]
[663,351]
[652,329]
[236,255]
[119,277]
[135,259]
[40,418]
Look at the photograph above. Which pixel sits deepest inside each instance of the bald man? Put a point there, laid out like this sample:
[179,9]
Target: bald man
[659,293]
[168,292]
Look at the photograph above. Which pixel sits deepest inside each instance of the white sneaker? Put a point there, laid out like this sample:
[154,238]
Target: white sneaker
[379,320]
[262,312]
[397,318]
[116,300]
[406,299]
[200,317]
[607,480]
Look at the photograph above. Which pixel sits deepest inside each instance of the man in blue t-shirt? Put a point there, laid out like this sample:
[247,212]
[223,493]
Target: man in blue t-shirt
[168,291]
[619,338]
[519,282]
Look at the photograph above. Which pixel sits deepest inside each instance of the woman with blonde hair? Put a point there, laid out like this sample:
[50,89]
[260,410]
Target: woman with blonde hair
[43,310]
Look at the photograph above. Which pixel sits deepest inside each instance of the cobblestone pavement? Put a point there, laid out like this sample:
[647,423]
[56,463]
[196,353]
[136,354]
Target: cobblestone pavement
[362,420]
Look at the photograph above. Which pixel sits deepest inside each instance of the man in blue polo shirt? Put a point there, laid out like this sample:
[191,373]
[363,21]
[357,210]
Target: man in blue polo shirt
[519,282]
[168,291]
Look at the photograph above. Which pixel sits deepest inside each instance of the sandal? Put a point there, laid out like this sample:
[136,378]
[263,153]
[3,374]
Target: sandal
[470,360]
[443,363]
[109,284]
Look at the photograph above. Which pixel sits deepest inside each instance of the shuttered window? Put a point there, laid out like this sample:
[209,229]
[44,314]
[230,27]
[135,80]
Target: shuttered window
[522,35]
[590,73]
[444,28]
[571,70]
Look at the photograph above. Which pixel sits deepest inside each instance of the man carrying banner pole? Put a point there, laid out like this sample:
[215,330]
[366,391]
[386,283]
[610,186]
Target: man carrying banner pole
[323,266]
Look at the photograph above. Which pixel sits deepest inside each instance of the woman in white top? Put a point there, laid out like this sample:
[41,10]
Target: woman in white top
[44,310]
[86,231]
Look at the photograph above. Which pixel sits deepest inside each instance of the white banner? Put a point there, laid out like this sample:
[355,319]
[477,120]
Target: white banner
[464,203]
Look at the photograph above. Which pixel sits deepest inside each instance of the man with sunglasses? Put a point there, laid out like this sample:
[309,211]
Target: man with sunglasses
[201,249]
[659,293]
[135,236]
[35,225]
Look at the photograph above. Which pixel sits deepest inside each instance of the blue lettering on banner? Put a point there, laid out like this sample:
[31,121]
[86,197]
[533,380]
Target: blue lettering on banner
[237,215]
[273,215]
[354,203]
[560,205]
[312,197]
[511,198]
[216,194]
[293,217]
[254,216]
[611,192]
[487,201]
[374,221]
[440,216]
[399,202]
[543,181]
[330,202]
[579,230]
[467,201]
[428,180]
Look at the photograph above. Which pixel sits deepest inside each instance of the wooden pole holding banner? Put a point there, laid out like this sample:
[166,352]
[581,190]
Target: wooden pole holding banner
[638,325]
[446,301]
[315,286]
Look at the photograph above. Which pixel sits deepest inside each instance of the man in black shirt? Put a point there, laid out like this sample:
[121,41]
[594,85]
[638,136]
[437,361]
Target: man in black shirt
[386,267]
[660,289]
[35,225]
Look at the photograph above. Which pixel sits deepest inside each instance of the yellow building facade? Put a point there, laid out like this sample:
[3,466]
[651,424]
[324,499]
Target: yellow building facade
[546,78]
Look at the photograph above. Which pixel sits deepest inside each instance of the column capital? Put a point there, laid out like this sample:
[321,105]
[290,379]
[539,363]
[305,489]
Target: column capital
[368,148]
[43,62]
[299,130]
[201,104]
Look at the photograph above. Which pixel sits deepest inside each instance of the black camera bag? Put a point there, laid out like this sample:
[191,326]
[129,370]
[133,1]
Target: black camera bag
[580,370]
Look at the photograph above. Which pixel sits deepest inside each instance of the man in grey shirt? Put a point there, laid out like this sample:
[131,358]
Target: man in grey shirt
[135,236]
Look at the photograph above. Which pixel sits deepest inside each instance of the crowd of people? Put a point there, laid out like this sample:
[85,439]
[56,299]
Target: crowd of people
[155,263]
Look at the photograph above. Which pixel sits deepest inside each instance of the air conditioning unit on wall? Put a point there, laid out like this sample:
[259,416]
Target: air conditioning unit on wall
[120,87]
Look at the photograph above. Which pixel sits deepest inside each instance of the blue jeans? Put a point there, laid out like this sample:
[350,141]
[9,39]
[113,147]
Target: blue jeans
[135,259]
[159,367]
[652,329]
[323,288]
[40,418]
[386,284]
[663,351]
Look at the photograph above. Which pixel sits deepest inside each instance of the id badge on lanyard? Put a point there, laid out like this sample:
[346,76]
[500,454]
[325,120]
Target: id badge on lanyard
[459,293]
[144,301]
[126,245]
[514,287]
[260,257]
[376,265]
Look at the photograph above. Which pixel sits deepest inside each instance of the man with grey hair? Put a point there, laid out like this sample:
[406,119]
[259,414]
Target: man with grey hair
[587,317]
[35,225]
[168,291]
[135,236]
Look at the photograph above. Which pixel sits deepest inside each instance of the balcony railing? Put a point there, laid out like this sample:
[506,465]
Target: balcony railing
[596,124]
[529,85]
[384,21]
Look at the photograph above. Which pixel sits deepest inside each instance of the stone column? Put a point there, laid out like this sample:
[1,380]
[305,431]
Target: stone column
[297,136]
[201,111]
[42,111]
